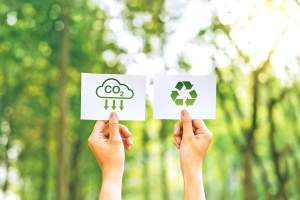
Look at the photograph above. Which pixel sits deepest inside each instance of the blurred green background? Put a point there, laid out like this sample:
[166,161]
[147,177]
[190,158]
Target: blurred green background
[252,47]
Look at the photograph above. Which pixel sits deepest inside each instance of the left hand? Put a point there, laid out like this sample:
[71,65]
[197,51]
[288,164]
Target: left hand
[192,138]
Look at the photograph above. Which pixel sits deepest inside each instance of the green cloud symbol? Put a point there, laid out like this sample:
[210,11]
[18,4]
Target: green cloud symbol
[112,88]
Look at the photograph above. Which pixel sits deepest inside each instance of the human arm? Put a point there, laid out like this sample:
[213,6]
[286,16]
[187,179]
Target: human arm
[192,138]
[107,142]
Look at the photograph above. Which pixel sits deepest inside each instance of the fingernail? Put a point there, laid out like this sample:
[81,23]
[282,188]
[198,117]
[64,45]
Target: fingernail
[185,115]
[113,115]
[113,118]
[183,112]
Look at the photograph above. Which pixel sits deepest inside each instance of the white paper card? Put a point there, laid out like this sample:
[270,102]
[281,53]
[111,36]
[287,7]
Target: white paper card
[172,93]
[102,94]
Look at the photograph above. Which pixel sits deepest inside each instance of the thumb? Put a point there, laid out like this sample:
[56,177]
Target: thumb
[186,124]
[114,133]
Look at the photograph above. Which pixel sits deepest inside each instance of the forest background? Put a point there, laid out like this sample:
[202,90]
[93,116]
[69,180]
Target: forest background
[252,47]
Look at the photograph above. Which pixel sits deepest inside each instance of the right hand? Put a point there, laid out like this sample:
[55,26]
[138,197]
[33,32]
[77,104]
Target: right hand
[192,138]
[107,142]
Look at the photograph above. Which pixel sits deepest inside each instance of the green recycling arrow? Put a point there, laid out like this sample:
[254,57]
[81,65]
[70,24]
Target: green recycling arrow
[179,102]
[189,102]
[186,85]
[193,94]
[179,85]
[174,95]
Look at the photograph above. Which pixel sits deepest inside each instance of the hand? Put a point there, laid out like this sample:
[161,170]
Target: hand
[107,142]
[192,138]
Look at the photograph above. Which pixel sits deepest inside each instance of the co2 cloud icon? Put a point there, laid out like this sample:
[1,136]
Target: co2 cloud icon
[113,89]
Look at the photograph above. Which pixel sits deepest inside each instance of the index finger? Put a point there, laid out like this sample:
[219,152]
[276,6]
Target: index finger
[200,125]
[177,134]
[125,133]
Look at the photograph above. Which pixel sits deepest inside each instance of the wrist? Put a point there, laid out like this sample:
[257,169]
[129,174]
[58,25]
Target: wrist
[112,181]
[113,176]
[191,171]
[193,185]
[192,175]
[111,187]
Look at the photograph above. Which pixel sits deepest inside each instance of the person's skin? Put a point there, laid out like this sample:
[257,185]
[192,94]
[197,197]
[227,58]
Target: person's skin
[107,142]
[192,138]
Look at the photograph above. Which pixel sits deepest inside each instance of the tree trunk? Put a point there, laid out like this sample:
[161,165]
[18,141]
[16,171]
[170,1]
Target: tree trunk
[248,182]
[75,191]
[7,132]
[43,191]
[145,158]
[235,139]
[281,174]
[6,162]
[62,133]
[249,138]
[163,172]
[297,172]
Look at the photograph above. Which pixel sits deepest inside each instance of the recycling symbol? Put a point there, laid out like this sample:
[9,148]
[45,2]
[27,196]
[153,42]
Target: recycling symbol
[191,97]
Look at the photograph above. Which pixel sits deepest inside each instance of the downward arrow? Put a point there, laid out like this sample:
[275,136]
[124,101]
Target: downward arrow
[121,105]
[106,104]
[114,105]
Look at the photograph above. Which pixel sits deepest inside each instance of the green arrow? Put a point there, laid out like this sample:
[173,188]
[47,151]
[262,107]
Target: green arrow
[179,102]
[189,102]
[193,94]
[121,104]
[179,85]
[174,95]
[114,105]
[106,104]
[187,84]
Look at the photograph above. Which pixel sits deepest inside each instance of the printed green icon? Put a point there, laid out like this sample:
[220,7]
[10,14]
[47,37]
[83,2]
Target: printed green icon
[112,89]
[188,87]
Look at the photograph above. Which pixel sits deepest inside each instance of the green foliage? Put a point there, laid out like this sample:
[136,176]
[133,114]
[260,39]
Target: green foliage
[30,41]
